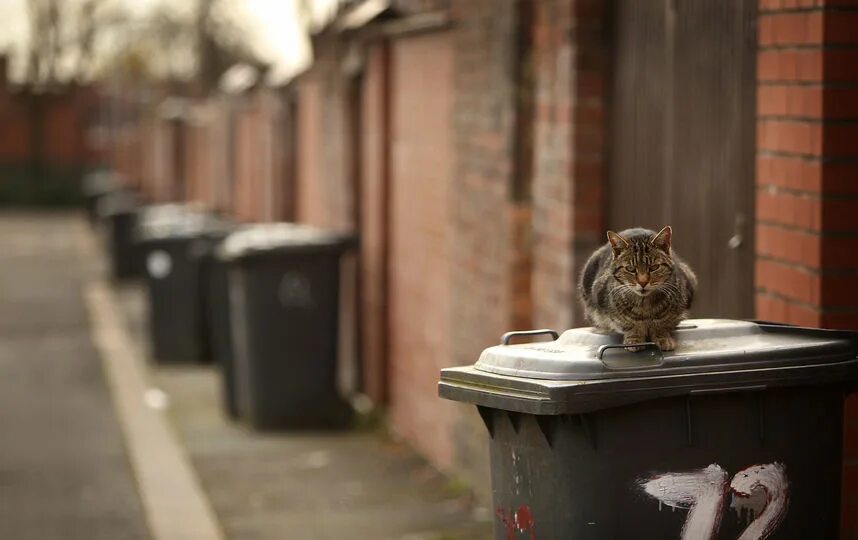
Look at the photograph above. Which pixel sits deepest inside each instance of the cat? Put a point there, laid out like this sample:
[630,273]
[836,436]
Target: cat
[637,286]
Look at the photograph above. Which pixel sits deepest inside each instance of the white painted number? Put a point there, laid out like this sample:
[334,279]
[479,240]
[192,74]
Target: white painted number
[760,492]
[701,492]
[771,478]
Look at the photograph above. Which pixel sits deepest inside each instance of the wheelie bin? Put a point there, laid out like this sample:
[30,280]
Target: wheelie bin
[738,433]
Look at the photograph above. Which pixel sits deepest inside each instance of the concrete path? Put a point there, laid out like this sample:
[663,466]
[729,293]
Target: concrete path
[64,471]
[349,485]
[91,448]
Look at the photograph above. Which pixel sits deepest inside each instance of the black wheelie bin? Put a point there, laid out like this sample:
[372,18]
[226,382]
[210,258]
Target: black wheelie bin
[284,283]
[175,242]
[737,433]
[118,211]
[96,185]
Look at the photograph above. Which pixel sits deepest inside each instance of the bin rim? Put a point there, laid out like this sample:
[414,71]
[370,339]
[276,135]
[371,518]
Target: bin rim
[178,221]
[547,377]
[101,182]
[264,239]
[119,201]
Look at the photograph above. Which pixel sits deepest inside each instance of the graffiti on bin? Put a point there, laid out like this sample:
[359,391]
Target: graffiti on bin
[760,497]
[520,521]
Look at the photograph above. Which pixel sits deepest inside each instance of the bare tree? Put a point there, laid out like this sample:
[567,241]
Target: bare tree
[62,38]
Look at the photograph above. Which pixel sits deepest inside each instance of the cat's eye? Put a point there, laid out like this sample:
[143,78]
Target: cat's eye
[630,269]
[655,267]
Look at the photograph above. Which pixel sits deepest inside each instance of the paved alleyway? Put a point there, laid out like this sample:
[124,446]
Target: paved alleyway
[64,473]
[80,462]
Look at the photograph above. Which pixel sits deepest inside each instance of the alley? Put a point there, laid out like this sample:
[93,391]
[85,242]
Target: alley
[64,472]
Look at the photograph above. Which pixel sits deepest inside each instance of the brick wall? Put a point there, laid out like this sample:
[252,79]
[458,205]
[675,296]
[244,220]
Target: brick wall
[238,144]
[160,152]
[568,182]
[221,156]
[481,217]
[310,190]
[15,132]
[807,197]
[552,191]
[446,309]
[807,148]
[325,192]
[422,157]
[197,161]
[44,148]
[373,209]
[499,232]
[247,201]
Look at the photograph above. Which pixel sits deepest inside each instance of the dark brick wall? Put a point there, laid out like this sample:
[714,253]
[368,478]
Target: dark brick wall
[807,197]
[44,144]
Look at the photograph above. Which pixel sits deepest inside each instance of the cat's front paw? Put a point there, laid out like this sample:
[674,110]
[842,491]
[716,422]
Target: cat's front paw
[632,340]
[665,343]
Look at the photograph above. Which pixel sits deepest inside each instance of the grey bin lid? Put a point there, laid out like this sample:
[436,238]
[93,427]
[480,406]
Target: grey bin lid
[583,370]
[168,221]
[267,237]
[100,182]
[117,202]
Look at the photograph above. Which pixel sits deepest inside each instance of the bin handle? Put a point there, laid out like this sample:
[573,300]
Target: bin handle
[505,339]
[654,352]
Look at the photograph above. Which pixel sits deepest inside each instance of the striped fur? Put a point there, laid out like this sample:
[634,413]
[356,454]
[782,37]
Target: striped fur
[636,285]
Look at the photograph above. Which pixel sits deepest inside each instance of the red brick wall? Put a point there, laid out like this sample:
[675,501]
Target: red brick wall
[312,192]
[14,129]
[148,167]
[257,166]
[373,235]
[127,154]
[568,179]
[163,157]
[64,120]
[452,214]
[553,233]
[807,144]
[325,193]
[482,209]
[247,203]
[220,115]
[421,171]
[807,198]
[197,174]
[272,146]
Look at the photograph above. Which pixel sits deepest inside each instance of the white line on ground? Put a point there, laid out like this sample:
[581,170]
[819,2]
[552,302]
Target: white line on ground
[175,504]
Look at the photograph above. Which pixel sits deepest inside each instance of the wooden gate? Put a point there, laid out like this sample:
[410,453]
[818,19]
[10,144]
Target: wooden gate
[681,137]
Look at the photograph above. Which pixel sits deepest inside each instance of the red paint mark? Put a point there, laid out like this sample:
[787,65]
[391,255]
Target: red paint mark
[524,520]
[520,521]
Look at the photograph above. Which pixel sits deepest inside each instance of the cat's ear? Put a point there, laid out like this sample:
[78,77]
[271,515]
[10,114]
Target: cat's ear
[662,238]
[618,243]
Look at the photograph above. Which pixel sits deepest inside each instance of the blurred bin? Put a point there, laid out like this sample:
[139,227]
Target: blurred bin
[118,211]
[284,283]
[219,325]
[739,429]
[175,243]
[96,185]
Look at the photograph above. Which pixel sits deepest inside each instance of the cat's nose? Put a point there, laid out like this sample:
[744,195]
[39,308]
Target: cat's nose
[643,280]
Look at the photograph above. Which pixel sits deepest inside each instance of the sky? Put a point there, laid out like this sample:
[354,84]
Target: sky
[271,26]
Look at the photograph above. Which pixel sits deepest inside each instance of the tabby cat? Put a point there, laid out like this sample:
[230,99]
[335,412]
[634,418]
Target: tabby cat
[637,286]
